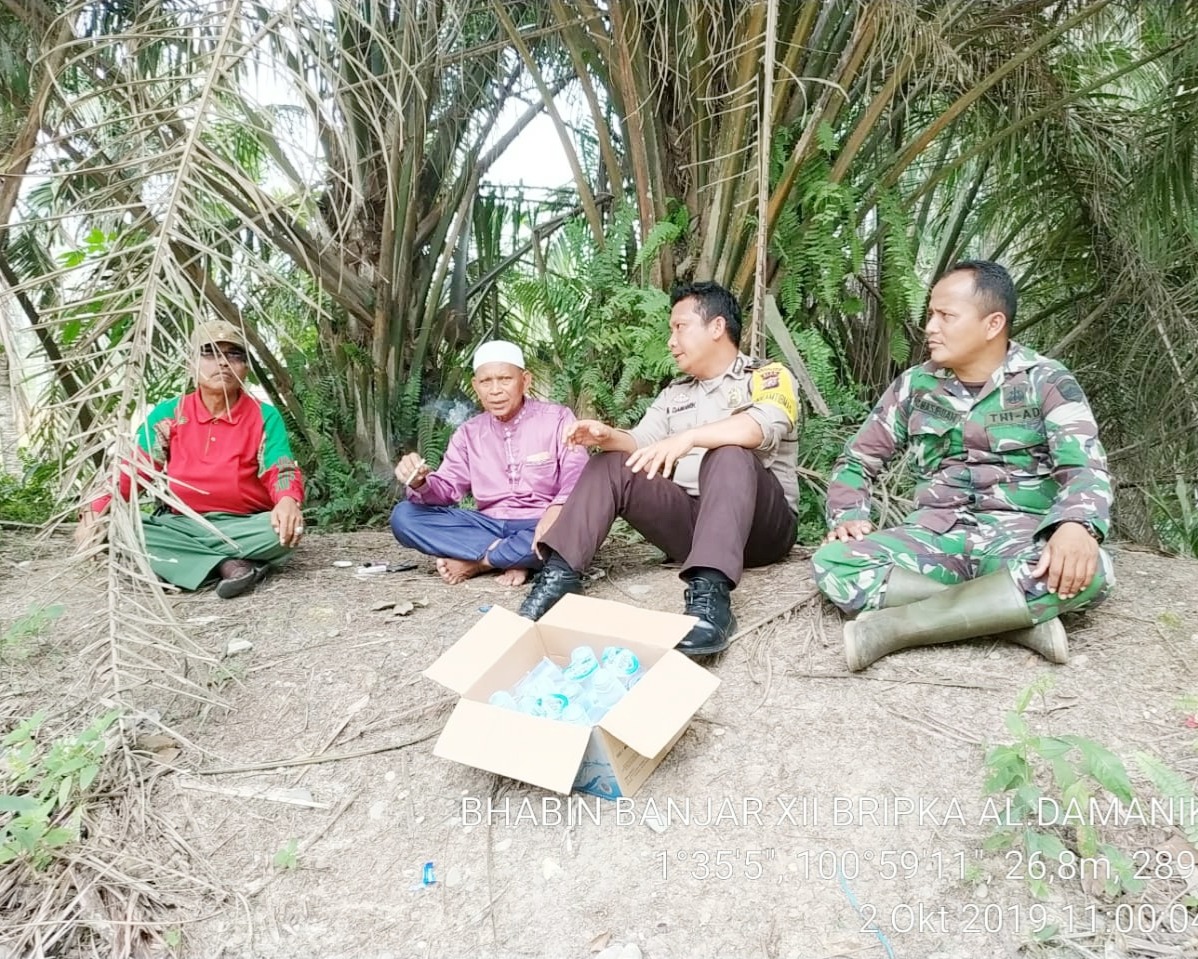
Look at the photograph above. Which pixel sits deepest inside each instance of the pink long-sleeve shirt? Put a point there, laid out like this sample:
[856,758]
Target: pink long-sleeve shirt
[514,470]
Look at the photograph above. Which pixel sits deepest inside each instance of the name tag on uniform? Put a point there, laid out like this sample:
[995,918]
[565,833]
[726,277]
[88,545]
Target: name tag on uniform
[1020,416]
[682,407]
[929,407]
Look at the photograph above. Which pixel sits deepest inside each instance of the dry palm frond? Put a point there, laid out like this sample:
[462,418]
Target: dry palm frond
[118,243]
[167,188]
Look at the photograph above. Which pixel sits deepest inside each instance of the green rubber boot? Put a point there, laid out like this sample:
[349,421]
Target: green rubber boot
[1048,639]
[985,606]
[904,586]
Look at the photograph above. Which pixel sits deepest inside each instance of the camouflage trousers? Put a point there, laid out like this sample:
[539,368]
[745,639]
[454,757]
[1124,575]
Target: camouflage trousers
[853,575]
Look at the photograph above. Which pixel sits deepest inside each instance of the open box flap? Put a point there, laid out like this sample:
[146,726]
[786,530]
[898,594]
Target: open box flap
[618,621]
[658,706]
[538,751]
[483,645]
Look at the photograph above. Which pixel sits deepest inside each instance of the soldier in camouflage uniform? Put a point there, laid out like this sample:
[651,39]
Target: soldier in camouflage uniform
[1011,480]
[708,475]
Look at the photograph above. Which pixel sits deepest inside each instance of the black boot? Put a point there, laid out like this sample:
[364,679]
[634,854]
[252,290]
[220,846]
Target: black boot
[708,597]
[554,580]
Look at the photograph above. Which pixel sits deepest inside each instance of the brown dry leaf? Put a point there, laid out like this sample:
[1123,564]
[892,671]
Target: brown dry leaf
[599,943]
[402,609]
[380,606]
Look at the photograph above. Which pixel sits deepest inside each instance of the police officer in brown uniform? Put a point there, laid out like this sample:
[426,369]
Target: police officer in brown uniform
[708,475]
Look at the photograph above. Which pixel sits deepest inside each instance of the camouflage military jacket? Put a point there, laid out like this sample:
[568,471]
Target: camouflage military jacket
[1026,443]
[766,392]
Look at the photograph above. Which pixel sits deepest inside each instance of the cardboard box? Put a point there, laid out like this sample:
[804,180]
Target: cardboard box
[611,759]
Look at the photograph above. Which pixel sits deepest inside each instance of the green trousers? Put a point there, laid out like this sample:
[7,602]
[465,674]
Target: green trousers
[185,553]
[853,575]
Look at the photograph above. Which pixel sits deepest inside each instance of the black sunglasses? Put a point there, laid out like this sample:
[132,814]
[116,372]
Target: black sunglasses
[210,350]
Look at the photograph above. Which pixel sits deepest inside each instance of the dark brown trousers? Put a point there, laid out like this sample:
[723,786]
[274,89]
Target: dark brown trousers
[741,519]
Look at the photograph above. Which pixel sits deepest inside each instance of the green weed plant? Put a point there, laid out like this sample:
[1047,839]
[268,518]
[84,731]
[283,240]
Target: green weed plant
[45,789]
[17,637]
[1057,773]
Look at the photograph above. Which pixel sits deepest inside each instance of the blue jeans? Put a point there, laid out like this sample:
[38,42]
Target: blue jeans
[466,534]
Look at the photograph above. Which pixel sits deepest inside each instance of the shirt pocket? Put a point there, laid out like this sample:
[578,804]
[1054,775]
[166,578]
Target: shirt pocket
[1006,437]
[682,418]
[538,468]
[1022,446]
[930,439]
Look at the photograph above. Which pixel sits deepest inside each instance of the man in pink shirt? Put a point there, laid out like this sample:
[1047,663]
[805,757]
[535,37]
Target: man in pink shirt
[511,458]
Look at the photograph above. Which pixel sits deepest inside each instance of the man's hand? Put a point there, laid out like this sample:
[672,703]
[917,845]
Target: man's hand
[587,433]
[1070,559]
[661,456]
[850,529]
[90,531]
[412,470]
[546,521]
[288,521]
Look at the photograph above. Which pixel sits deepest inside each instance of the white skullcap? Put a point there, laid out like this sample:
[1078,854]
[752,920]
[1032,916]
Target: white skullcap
[498,351]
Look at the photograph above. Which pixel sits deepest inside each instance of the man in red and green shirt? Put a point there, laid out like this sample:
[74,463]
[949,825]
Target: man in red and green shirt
[225,456]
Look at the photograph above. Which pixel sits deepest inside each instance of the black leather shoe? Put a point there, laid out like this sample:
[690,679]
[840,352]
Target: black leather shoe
[709,599]
[548,586]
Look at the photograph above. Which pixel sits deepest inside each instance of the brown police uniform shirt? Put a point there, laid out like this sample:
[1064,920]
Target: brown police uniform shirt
[766,392]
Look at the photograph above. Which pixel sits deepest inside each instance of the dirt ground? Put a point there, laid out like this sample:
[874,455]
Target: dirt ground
[806,812]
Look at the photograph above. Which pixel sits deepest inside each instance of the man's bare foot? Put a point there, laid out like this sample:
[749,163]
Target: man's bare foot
[455,571]
[512,577]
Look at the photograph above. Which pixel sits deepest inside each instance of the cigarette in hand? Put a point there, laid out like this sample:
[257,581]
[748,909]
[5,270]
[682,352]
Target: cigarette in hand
[411,476]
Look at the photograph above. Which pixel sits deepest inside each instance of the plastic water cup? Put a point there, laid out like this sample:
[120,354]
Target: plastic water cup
[606,691]
[544,678]
[624,663]
[583,663]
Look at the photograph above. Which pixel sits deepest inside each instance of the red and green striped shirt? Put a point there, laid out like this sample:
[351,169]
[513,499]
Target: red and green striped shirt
[239,462]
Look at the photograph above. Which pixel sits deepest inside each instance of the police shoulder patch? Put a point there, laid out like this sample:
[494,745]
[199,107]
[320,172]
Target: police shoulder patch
[773,385]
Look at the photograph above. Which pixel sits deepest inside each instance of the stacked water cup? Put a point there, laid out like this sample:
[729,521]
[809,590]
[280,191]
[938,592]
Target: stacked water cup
[581,693]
